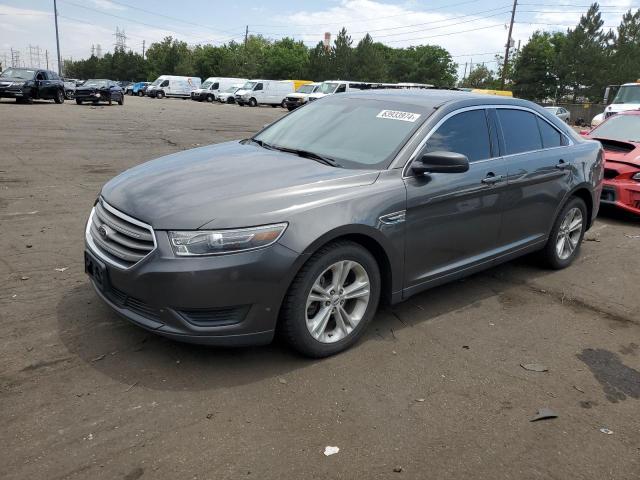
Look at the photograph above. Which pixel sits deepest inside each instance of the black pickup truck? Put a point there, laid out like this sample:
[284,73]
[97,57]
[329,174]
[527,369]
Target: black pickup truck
[29,84]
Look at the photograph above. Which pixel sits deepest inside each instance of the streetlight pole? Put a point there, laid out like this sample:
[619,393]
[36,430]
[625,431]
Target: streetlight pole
[55,12]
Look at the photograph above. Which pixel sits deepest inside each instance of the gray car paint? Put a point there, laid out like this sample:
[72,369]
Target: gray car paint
[455,224]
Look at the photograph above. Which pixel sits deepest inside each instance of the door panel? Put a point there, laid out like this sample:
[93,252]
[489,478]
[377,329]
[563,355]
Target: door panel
[537,181]
[453,220]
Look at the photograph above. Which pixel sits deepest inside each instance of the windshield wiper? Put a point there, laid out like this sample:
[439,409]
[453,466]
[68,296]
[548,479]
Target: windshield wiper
[301,153]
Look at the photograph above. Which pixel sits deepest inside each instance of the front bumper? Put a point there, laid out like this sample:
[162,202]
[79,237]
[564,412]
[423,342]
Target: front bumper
[92,97]
[199,96]
[13,93]
[291,104]
[216,300]
[623,194]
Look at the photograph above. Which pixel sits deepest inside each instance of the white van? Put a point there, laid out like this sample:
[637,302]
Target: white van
[212,87]
[268,92]
[331,87]
[173,86]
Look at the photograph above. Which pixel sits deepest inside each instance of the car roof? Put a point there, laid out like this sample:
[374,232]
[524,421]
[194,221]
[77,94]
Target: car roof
[435,98]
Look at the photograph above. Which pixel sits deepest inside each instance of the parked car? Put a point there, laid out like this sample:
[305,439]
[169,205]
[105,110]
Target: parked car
[300,96]
[560,112]
[620,138]
[228,95]
[69,88]
[414,188]
[100,90]
[264,92]
[137,88]
[29,84]
[212,87]
[173,86]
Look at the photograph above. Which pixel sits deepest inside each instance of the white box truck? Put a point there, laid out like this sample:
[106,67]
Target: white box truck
[212,86]
[173,86]
[264,92]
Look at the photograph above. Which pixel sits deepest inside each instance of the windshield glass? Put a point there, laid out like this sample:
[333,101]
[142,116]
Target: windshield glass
[355,132]
[305,89]
[96,83]
[206,84]
[249,86]
[327,87]
[628,94]
[625,128]
[20,73]
[157,81]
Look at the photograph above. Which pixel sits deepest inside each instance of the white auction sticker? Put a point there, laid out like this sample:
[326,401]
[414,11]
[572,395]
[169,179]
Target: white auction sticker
[396,115]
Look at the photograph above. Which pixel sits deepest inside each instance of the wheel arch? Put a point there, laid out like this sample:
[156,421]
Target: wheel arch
[583,192]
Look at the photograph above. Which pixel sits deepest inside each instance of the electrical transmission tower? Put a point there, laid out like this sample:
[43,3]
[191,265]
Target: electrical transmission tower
[121,39]
[15,58]
[99,50]
[34,56]
[93,50]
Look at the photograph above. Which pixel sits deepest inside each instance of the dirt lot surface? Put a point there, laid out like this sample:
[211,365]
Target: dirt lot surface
[436,389]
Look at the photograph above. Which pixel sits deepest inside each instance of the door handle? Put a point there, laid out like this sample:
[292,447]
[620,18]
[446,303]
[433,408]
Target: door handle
[492,179]
[562,165]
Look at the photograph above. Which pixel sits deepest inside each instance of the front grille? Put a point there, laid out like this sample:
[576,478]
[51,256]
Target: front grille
[118,238]
[215,317]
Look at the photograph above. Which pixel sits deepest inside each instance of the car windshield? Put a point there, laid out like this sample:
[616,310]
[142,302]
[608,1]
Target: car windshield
[206,84]
[306,89]
[628,94]
[157,81]
[624,128]
[354,132]
[249,85]
[96,83]
[20,73]
[328,87]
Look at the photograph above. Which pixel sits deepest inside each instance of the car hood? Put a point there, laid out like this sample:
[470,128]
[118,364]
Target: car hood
[621,152]
[228,185]
[11,80]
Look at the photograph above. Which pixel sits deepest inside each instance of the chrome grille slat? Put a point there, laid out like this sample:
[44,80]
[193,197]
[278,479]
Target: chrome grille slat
[117,238]
[122,226]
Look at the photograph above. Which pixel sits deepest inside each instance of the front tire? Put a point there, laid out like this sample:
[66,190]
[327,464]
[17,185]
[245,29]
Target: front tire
[253,102]
[59,98]
[140,93]
[331,300]
[564,242]
[160,95]
[121,101]
[78,101]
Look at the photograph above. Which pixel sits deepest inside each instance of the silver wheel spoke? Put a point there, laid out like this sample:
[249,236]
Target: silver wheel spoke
[356,290]
[342,320]
[320,324]
[560,245]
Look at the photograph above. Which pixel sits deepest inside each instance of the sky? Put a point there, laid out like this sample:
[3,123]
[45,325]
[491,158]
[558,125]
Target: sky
[473,31]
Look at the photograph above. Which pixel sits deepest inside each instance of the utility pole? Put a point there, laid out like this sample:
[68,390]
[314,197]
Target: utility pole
[246,36]
[55,16]
[46,55]
[508,45]
[143,47]
[464,77]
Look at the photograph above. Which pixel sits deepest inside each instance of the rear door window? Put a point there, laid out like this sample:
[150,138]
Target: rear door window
[520,131]
[466,133]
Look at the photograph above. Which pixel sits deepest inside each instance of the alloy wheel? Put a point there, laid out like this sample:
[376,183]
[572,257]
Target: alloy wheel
[337,301]
[569,233]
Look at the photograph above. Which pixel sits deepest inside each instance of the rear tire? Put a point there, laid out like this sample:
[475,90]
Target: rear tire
[140,93]
[336,315]
[565,239]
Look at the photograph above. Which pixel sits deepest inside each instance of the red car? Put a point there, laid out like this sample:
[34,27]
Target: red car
[620,138]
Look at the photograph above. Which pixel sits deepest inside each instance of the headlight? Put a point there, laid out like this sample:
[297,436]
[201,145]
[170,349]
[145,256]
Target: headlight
[98,95]
[636,177]
[217,242]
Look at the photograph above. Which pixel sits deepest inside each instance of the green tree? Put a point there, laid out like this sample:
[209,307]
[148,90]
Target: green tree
[625,60]
[369,63]
[534,74]
[286,59]
[169,57]
[423,64]
[342,55]
[479,77]
[320,63]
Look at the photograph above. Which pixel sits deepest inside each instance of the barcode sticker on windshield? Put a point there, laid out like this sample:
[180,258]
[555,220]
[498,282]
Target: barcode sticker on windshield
[396,115]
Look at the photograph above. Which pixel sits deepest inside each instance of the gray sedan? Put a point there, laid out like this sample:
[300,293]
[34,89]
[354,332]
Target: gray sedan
[560,112]
[347,202]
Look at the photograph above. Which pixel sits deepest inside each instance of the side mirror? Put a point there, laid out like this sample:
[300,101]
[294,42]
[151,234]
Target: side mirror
[440,162]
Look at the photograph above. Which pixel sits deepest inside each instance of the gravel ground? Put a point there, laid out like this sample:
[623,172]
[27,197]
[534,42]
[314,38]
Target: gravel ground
[436,389]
